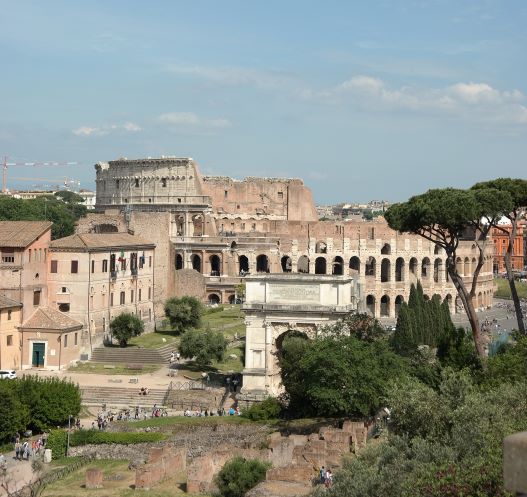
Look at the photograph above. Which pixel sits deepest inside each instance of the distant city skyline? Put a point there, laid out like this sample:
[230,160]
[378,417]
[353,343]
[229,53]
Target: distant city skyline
[370,100]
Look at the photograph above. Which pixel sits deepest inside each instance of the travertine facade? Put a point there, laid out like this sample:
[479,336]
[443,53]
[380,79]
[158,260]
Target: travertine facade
[225,229]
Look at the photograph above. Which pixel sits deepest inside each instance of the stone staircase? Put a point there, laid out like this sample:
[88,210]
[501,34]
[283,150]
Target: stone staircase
[128,355]
[121,396]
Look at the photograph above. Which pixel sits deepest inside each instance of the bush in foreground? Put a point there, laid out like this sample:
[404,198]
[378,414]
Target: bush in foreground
[270,408]
[239,475]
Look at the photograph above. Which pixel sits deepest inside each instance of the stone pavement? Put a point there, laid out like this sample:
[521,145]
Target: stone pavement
[18,475]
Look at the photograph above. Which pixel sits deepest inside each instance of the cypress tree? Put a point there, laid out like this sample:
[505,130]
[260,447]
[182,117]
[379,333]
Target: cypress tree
[404,337]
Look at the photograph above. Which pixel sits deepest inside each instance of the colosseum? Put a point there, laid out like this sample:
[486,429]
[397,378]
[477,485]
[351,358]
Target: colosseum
[210,232]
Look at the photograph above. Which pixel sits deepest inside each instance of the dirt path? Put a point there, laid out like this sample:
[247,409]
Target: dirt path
[18,475]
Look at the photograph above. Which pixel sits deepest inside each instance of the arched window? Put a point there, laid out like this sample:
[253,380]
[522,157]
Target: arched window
[355,264]
[303,264]
[243,263]
[286,263]
[413,266]
[448,299]
[320,265]
[179,261]
[399,269]
[385,306]
[215,265]
[386,249]
[196,262]
[425,268]
[385,270]
[371,267]
[262,264]
[214,298]
[338,266]
[370,304]
[398,303]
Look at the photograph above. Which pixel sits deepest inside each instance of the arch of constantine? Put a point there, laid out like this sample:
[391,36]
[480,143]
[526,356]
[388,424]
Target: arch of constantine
[211,233]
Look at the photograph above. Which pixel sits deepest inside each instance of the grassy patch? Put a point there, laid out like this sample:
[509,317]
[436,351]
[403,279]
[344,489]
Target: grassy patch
[155,339]
[504,291]
[228,364]
[98,368]
[118,482]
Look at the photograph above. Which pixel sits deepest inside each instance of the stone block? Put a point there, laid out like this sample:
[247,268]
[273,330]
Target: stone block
[94,478]
[155,455]
[515,463]
[47,455]
[299,440]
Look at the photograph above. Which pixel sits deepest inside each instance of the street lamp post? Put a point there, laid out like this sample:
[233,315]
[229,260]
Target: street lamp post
[68,439]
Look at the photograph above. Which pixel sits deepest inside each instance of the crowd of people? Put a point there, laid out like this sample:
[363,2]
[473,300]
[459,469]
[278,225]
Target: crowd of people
[24,450]
[221,411]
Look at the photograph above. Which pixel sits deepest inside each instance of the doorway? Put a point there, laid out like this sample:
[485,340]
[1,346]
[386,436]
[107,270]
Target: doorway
[39,353]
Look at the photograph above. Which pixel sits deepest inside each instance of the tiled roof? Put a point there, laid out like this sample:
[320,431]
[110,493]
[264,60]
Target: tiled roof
[98,241]
[21,233]
[46,318]
[5,302]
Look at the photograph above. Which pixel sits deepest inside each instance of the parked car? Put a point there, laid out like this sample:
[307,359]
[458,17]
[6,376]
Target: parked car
[7,374]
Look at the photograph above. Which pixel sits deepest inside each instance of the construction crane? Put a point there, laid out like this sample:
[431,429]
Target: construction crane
[66,181]
[31,164]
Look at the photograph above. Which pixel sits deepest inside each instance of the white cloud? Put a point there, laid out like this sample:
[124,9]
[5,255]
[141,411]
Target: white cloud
[476,101]
[128,127]
[189,119]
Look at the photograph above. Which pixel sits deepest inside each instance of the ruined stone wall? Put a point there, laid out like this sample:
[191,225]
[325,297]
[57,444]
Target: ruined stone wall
[274,198]
[162,463]
[189,282]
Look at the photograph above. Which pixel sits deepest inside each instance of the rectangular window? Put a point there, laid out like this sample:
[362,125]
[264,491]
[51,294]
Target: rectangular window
[36,297]
[54,265]
[122,298]
[149,261]
[105,266]
[93,267]
[103,324]
[139,295]
[76,338]
[8,257]
[29,255]
[131,295]
[133,260]
[9,315]
[280,195]
[74,266]
[111,299]
[112,263]
[149,293]
[371,233]
[9,340]
[225,193]
[65,341]
[141,261]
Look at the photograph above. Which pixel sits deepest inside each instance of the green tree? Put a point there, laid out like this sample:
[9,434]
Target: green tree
[126,326]
[69,197]
[517,189]
[342,376]
[239,475]
[445,217]
[363,326]
[13,413]
[183,313]
[205,346]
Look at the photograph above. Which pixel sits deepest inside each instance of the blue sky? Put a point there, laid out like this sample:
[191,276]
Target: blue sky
[363,100]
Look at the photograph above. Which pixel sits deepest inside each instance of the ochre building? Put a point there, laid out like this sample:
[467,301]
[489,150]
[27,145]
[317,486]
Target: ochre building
[210,232]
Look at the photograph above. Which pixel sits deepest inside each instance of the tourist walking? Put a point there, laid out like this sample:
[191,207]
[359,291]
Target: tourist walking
[322,475]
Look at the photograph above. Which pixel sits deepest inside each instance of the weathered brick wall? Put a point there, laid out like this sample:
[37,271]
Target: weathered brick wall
[189,282]
[162,463]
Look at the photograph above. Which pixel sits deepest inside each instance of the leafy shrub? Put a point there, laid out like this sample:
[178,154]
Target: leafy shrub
[183,313]
[50,401]
[57,442]
[270,408]
[85,437]
[126,326]
[203,345]
[239,475]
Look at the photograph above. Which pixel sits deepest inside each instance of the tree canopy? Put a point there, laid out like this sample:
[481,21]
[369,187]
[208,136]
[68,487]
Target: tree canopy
[50,208]
[126,326]
[183,313]
[447,216]
[204,346]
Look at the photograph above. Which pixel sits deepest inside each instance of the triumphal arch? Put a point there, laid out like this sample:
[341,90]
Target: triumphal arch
[280,303]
